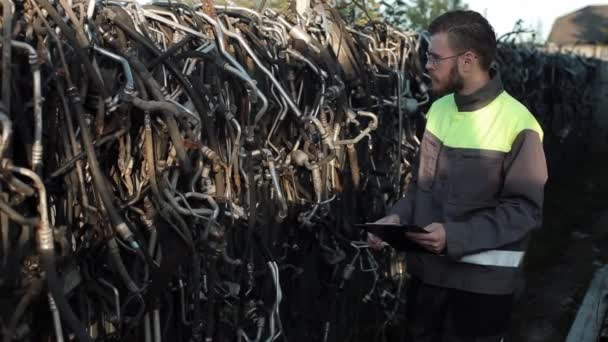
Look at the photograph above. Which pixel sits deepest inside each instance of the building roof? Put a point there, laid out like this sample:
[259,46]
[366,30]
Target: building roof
[587,25]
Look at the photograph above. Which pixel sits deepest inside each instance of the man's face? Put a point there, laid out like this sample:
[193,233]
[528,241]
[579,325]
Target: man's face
[444,72]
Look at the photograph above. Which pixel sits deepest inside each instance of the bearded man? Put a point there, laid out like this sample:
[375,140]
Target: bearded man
[477,189]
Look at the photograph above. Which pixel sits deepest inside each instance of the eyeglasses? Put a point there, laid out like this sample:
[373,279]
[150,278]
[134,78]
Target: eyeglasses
[435,61]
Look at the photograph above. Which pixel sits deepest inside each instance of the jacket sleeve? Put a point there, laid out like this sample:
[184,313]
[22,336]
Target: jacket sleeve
[520,207]
[404,208]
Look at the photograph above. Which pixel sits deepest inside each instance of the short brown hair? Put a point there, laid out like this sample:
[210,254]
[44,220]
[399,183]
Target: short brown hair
[468,30]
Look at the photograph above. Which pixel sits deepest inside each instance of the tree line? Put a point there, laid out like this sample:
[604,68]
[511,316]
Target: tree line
[410,14]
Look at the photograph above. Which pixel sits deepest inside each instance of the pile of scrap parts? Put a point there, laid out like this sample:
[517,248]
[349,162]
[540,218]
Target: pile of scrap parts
[175,172]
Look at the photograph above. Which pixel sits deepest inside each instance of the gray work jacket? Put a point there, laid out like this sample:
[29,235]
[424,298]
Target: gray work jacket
[481,171]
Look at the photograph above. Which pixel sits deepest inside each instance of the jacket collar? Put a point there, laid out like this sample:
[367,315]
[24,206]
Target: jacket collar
[483,96]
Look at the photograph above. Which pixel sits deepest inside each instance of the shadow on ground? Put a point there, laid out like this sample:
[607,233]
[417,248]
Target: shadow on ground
[566,251]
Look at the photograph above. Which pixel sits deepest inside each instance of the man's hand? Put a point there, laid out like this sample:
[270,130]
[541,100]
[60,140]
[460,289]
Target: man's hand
[434,240]
[374,241]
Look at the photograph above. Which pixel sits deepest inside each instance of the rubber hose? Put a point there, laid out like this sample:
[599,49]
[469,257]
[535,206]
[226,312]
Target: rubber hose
[56,289]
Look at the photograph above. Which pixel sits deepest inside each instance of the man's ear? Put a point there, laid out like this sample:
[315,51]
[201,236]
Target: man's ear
[469,59]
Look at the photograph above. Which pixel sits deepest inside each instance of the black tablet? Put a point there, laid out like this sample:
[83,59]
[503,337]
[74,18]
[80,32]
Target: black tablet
[410,228]
[394,235]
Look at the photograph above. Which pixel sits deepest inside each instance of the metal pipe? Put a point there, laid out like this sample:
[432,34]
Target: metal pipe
[153,240]
[237,8]
[156,325]
[46,249]
[165,12]
[80,35]
[276,122]
[182,298]
[90,9]
[200,212]
[322,73]
[56,319]
[400,119]
[220,42]
[130,86]
[354,165]
[185,111]
[215,208]
[209,199]
[116,296]
[323,131]
[370,127]
[157,17]
[282,214]
[245,77]
[317,181]
[257,61]
[32,292]
[147,328]
[37,149]
[7,12]
[7,132]
[44,232]
[370,38]
[14,215]
[237,140]
[281,36]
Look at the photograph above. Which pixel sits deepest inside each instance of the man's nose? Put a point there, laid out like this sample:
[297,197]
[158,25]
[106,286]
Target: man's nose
[429,66]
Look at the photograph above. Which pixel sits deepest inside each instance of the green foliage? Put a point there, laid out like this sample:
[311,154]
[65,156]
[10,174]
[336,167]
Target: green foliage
[253,4]
[279,5]
[359,11]
[417,14]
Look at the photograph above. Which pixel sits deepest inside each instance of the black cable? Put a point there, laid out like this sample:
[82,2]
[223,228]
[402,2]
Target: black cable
[7,23]
[32,291]
[17,217]
[187,85]
[70,35]
[197,320]
[400,126]
[56,289]
[169,52]
[119,265]
[211,301]
[166,108]
[67,165]
[98,179]
[73,94]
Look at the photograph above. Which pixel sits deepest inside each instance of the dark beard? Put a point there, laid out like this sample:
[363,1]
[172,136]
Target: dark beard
[455,84]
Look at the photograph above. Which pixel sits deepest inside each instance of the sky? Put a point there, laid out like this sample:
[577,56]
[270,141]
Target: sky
[504,13]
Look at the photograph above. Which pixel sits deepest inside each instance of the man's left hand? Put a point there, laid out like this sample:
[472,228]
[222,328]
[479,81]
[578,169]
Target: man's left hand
[433,241]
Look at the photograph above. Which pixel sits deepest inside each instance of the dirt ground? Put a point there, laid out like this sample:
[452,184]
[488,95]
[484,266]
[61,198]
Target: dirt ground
[565,252]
